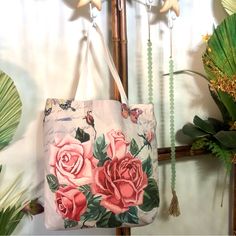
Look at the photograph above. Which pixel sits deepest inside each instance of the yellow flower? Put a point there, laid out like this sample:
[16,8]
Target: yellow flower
[206,37]
[225,84]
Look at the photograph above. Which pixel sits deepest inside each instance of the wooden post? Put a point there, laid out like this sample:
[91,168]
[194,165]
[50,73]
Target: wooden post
[119,39]
[233,202]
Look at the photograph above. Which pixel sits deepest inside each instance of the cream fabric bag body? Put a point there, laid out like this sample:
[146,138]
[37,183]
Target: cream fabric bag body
[100,161]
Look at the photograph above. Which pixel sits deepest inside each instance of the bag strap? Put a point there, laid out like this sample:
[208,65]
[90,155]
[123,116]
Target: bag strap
[108,59]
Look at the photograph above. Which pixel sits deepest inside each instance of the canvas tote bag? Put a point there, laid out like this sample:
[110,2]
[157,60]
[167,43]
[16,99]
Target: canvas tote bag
[100,161]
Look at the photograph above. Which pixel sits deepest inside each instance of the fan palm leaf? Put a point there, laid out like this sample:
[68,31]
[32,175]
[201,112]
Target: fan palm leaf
[229,6]
[10,109]
[219,62]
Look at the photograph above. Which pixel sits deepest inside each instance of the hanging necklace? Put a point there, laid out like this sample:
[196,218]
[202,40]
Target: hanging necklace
[149,54]
[174,205]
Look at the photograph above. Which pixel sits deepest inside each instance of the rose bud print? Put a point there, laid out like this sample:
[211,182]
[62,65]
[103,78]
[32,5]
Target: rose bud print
[89,118]
[90,121]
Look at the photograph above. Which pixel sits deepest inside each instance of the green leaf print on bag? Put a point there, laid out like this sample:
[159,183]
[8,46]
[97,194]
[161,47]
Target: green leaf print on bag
[109,220]
[100,150]
[130,216]
[134,147]
[70,223]
[147,166]
[82,136]
[52,182]
[94,209]
[151,196]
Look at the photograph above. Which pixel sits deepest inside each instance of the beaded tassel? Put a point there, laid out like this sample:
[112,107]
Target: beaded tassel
[150,74]
[174,205]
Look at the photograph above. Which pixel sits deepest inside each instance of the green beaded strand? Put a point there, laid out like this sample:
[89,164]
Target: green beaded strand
[172,122]
[150,74]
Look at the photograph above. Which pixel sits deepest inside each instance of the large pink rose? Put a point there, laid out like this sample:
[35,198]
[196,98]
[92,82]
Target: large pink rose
[121,183]
[117,144]
[72,161]
[71,203]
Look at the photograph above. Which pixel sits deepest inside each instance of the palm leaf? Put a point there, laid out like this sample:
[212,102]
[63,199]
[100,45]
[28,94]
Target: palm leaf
[220,54]
[10,109]
[219,60]
[229,6]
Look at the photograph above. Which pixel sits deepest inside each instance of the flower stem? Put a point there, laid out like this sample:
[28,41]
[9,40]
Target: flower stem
[95,132]
[136,154]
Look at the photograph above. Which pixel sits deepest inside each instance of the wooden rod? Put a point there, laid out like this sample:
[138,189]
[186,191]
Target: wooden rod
[233,202]
[180,152]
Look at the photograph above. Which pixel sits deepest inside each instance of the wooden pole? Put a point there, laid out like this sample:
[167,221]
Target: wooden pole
[233,202]
[119,46]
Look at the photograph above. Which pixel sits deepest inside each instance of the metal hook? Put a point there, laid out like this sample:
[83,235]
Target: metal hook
[171,18]
[149,5]
[149,8]
[92,14]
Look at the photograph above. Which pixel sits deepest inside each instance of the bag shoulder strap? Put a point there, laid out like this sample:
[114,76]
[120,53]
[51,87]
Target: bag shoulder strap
[108,59]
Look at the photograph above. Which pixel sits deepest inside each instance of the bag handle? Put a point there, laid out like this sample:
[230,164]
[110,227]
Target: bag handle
[109,61]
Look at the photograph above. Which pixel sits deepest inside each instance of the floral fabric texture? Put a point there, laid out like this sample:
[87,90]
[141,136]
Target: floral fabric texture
[100,164]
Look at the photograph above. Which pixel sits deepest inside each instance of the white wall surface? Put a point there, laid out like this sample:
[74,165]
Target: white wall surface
[41,48]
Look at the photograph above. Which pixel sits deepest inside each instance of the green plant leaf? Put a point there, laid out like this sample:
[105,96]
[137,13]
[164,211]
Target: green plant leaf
[200,143]
[147,166]
[100,150]
[229,6]
[9,219]
[217,124]
[229,104]
[227,138]
[133,147]
[193,132]
[10,107]
[52,182]
[204,125]
[222,153]
[151,196]
[69,223]
[130,216]
[82,136]
[225,114]
[0,168]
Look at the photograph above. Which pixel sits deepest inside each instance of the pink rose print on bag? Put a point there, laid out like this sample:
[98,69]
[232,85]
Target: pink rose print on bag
[70,202]
[72,162]
[120,183]
[117,144]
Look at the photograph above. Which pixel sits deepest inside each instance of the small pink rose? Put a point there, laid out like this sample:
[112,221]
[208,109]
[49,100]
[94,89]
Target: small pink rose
[70,202]
[117,144]
[149,136]
[72,161]
[120,183]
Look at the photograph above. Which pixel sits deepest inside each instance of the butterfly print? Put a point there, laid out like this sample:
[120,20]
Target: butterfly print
[132,113]
[48,108]
[66,105]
